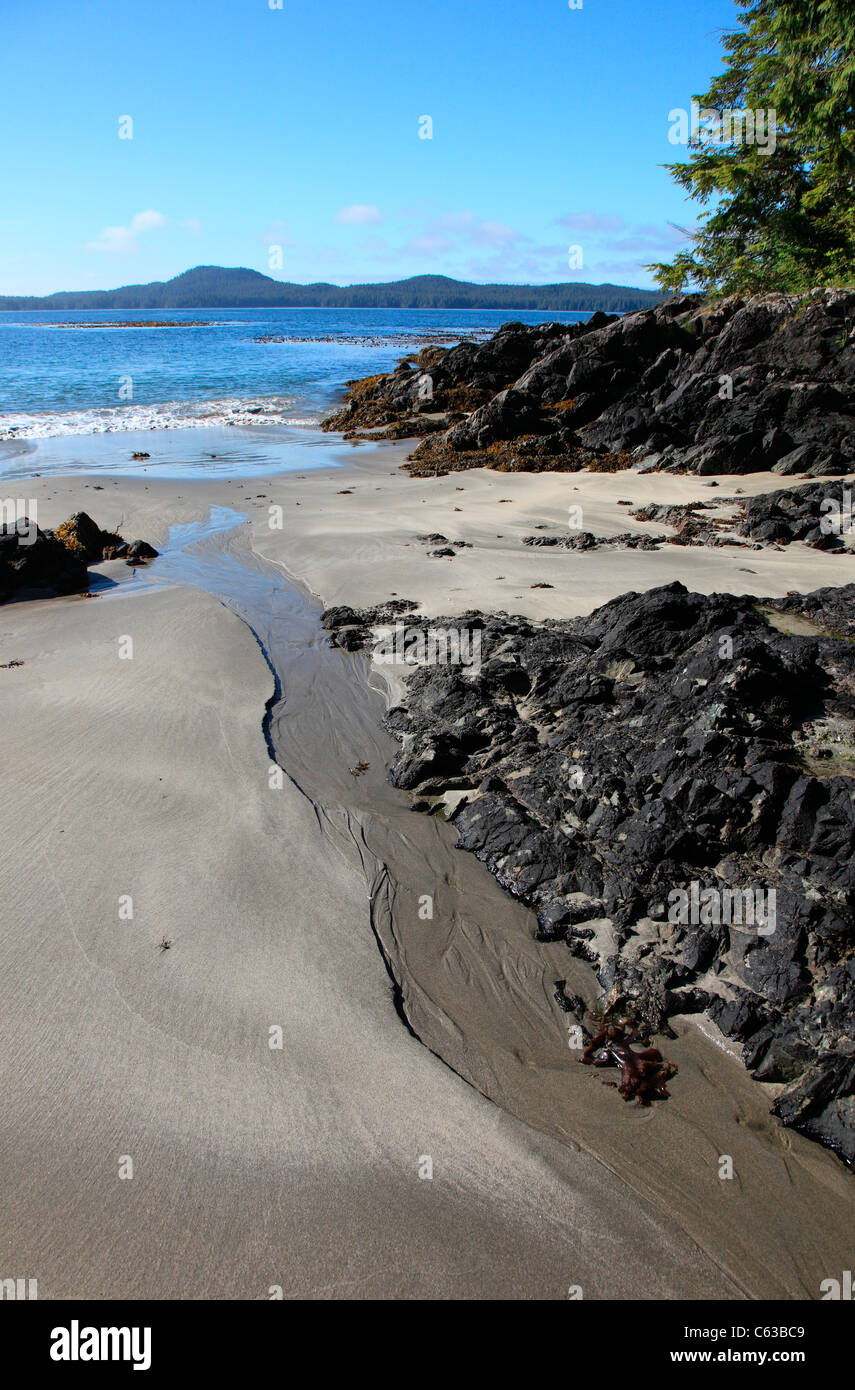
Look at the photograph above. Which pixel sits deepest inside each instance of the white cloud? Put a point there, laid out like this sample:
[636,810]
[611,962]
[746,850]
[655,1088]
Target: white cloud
[192,225]
[144,221]
[114,239]
[359,213]
[124,239]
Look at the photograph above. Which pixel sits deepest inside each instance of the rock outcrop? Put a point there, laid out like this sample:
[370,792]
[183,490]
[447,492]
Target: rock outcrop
[820,514]
[35,562]
[85,539]
[351,628]
[640,776]
[766,383]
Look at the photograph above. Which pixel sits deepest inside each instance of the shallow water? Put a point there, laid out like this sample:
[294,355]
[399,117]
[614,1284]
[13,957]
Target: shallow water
[213,452]
[55,380]
[200,401]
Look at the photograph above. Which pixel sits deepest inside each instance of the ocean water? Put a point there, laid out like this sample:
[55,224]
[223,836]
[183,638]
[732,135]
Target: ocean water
[217,394]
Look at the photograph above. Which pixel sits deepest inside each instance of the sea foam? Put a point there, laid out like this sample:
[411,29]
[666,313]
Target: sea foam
[170,415]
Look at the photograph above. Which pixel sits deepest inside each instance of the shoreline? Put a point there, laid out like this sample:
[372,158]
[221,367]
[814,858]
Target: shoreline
[779,1255]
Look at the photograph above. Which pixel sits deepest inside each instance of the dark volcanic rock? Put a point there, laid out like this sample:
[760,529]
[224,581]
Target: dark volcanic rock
[351,627]
[138,552]
[586,540]
[37,561]
[830,609]
[56,561]
[665,740]
[758,384]
[85,539]
[450,380]
[820,514]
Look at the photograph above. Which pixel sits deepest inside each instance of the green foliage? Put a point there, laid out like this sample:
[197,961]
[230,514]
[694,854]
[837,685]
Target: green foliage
[785,219]
[214,287]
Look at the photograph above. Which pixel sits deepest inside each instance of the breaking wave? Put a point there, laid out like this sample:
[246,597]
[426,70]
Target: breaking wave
[170,415]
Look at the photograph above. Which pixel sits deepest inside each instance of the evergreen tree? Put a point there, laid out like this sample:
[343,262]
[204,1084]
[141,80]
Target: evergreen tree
[785,217]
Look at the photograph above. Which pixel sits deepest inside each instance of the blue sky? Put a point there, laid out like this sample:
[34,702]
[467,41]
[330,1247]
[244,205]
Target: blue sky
[298,127]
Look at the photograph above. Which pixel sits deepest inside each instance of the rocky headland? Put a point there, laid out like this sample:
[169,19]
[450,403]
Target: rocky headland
[765,383]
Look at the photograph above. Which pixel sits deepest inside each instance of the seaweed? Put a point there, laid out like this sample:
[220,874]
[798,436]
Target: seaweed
[643,1074]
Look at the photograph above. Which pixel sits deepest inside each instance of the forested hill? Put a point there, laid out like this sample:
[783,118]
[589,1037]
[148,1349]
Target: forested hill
[213,287]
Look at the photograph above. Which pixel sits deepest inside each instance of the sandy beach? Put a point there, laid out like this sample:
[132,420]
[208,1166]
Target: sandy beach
[427,676]
[297,1168]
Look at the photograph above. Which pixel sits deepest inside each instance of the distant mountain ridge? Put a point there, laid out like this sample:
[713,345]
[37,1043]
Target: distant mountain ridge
[215,287]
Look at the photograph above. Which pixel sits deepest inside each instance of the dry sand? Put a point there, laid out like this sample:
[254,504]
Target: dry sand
[300,1167]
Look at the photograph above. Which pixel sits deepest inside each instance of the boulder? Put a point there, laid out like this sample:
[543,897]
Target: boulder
[139,552]
[36,562]
[85,539]
[796,461]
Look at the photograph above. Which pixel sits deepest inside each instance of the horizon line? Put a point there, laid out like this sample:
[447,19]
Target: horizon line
[350,308]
